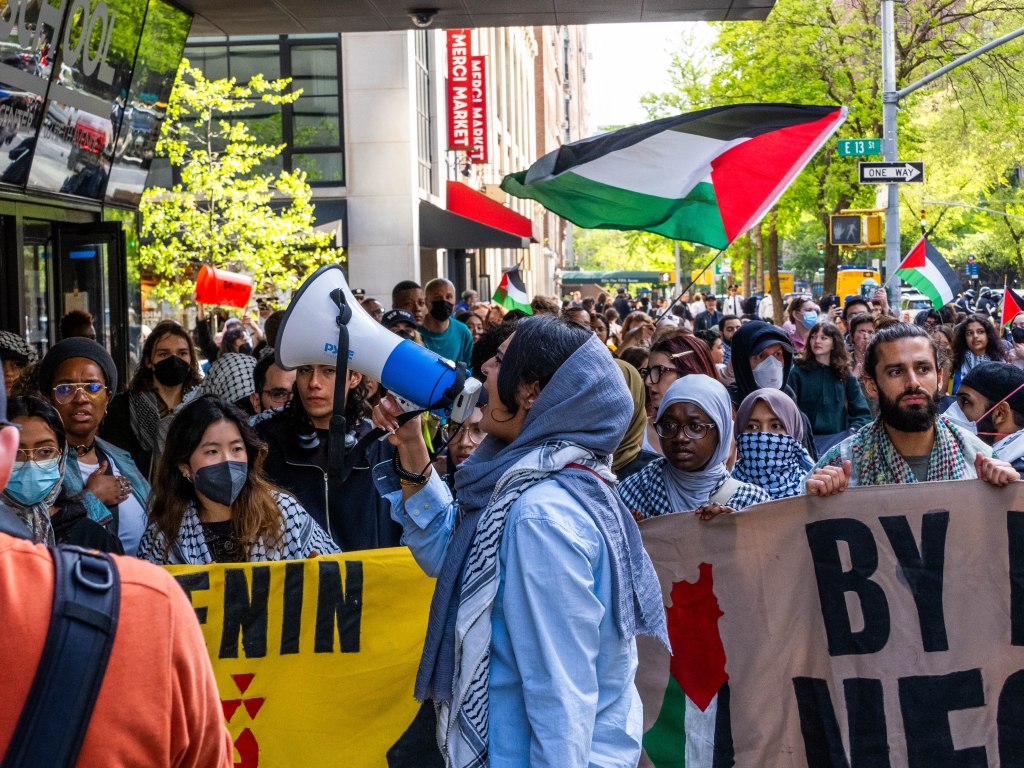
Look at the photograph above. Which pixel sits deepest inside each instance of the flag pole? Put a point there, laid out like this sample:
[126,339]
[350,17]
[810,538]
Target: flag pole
[688,287]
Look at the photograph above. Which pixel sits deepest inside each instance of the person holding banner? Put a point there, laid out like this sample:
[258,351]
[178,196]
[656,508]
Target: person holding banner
[769,453]
[991,401]
[694,425]
[542,580]
[908,442]
[211,502]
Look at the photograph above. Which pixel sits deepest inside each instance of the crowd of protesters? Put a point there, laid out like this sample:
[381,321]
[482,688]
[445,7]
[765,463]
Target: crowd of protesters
[597,412]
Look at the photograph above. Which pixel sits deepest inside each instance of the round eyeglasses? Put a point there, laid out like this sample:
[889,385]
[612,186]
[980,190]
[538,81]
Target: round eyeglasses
[654,373]
[694,430]
[38,456]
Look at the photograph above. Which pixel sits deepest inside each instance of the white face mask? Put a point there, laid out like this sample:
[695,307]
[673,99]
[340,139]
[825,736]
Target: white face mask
[956,414]
[768,373]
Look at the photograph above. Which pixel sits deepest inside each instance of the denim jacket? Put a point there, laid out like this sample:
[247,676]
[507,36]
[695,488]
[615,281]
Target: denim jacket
[96,509]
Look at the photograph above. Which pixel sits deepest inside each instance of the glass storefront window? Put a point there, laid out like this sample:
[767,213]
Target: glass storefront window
[163,39]
[37,272]
[319,166]
[317,121]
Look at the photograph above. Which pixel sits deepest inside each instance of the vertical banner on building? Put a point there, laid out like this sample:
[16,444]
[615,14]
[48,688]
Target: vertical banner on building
[478,108]
[460,51]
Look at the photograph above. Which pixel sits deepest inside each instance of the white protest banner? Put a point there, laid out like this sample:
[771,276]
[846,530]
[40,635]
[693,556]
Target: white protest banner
[882,627]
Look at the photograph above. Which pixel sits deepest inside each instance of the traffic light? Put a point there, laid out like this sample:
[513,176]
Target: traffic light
[874,229]
[924,221]
[845,229]
[821,249]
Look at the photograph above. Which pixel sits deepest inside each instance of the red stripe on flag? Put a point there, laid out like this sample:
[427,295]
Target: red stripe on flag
[747,175]
[1012,306]
[917,258]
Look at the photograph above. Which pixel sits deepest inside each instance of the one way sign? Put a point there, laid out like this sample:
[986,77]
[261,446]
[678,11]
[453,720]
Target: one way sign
[899,172]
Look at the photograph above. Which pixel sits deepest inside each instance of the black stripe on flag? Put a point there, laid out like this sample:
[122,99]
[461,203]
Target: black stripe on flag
[515,279]
[728,123]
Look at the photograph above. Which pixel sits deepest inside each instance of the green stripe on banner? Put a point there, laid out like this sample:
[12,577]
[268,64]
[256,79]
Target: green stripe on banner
[665,742]
[923,284]
[594,205]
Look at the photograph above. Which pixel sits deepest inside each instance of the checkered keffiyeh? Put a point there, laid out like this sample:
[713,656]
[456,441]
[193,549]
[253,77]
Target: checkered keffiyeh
[646,494]
[774,462]
[875,460]
[230,377]
[302,535]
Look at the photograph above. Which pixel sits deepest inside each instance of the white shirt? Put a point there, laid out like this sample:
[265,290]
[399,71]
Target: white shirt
[733,305]
[131,517]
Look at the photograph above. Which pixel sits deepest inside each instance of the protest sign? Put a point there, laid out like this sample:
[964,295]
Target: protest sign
[315,659]
[880,627]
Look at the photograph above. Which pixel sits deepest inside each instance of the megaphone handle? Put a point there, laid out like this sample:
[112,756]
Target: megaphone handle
[338,468]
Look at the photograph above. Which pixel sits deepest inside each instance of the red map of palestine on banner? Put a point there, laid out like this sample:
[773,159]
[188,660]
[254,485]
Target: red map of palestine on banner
[880,627]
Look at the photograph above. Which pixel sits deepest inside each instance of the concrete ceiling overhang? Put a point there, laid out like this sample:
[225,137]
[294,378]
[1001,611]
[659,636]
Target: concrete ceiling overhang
[261,17]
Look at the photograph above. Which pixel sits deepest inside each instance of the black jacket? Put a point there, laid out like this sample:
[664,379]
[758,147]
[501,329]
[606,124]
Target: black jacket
[71,525]
[359,520]
[756,335]
[117,429]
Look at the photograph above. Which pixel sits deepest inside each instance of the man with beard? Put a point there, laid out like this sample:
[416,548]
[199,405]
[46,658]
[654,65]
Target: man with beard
[908,442]
[991,398]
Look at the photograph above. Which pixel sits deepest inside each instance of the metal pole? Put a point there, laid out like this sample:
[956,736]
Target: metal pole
[679,267]
[890,102]
[962,60]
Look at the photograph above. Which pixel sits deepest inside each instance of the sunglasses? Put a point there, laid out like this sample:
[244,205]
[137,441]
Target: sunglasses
[65,393]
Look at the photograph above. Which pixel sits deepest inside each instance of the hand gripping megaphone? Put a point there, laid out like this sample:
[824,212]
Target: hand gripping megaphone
[308,335]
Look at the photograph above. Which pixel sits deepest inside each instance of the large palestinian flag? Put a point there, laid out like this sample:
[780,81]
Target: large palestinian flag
[925,269]
[1013,305]
[704,177]
[511,291]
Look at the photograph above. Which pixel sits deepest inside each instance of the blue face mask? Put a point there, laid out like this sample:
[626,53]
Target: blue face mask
[31,483]
[809,319]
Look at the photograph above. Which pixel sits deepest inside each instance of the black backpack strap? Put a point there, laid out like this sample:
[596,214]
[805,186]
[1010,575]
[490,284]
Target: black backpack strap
[83,622]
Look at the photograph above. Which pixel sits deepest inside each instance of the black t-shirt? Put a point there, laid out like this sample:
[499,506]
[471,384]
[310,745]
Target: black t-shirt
[223,544]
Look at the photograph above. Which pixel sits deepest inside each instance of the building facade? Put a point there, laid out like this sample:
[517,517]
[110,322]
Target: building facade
[404,203]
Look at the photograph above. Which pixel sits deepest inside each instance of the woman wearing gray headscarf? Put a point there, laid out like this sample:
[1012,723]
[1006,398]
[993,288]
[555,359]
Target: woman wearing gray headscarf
[542,580]
[694,425]
[770,455]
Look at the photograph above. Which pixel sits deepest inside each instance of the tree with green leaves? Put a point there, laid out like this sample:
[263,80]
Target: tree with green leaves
[227,211]
[819,53]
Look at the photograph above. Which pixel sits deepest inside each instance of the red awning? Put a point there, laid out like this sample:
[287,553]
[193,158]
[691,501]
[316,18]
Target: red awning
[466,201]
[473,220]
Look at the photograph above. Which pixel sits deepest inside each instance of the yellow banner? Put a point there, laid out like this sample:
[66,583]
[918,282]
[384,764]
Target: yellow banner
[315,659]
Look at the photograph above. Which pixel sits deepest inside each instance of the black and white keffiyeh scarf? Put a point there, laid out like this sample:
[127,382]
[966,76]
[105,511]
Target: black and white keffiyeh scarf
[775,462]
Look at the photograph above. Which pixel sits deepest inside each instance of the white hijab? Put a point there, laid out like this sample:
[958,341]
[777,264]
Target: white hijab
[689,490]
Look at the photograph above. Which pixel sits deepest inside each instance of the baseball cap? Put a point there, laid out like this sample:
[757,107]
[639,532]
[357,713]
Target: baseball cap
[397,316]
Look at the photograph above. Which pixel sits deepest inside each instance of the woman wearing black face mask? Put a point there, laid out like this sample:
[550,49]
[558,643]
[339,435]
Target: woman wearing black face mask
[138,418]
[211,502]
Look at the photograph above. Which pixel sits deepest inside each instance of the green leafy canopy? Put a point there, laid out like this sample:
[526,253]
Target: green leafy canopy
[221,214]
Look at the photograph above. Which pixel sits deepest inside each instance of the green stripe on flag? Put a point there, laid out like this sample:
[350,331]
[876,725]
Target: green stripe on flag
[594,205]
[665,742]
[502,298]
[924,285]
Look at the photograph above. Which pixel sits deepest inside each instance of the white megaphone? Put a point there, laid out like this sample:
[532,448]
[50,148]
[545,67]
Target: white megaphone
[308,335]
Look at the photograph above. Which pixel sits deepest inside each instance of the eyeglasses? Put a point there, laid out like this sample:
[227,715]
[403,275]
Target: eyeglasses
[472,433]
[37,455]
[654,372]
[277,394]
[65,393]
[694,431]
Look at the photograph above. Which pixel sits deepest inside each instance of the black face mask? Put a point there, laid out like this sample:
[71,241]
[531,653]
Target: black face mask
[441,310]
[172,371]
[222,482]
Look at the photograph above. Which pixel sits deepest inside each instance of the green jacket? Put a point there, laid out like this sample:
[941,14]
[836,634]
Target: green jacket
[832,405]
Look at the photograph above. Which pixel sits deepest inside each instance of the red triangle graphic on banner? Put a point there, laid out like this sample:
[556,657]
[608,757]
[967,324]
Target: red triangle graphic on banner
[230,707]
[252,706]
[243,681]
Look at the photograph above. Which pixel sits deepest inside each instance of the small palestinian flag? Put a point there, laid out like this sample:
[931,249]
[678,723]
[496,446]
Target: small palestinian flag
[511,292]
[1013,305]
[925,269]
[704,177]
